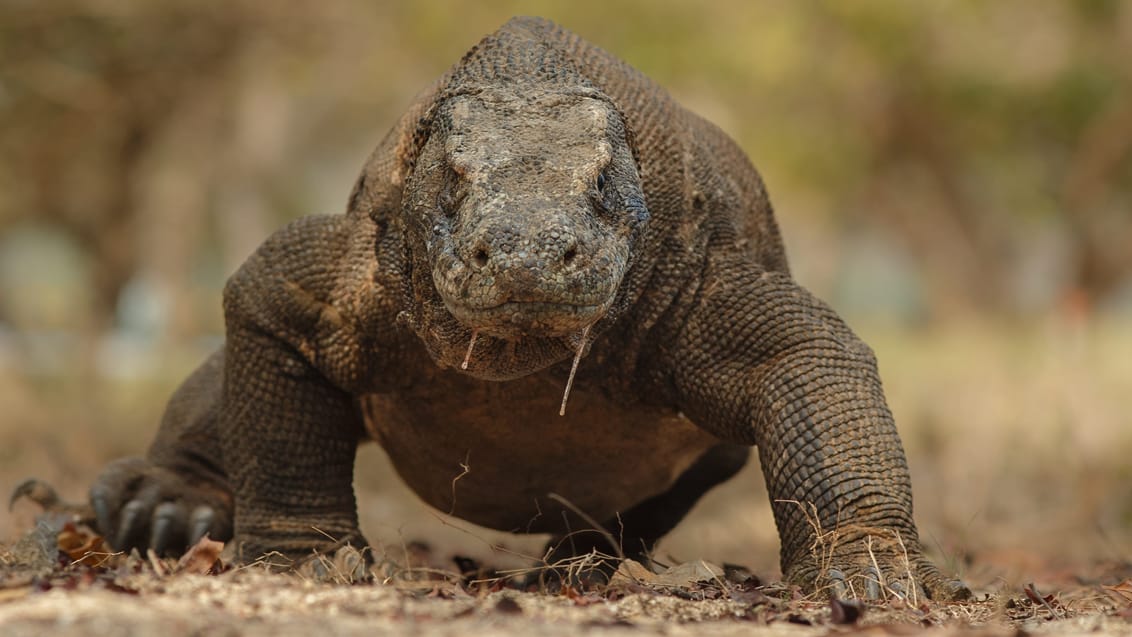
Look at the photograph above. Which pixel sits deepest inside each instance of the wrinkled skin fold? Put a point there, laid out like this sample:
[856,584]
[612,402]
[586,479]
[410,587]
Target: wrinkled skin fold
[542,215]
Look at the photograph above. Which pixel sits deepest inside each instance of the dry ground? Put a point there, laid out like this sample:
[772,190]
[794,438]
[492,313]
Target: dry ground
[1018,437]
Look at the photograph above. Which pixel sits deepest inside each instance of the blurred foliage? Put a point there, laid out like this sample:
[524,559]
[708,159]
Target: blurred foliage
[950,157]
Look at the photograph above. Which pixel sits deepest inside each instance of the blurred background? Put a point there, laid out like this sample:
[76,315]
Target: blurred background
[954,178]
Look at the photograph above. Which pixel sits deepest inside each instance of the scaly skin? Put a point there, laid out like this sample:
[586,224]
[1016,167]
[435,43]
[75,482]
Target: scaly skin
[542,202]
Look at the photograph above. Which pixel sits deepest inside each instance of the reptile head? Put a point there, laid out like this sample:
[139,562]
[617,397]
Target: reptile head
[523,210]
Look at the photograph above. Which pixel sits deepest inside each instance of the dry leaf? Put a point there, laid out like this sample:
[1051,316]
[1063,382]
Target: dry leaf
[689,573]
[1122,592]
[82,546]
[751,597]
[632,572]
[200,559]
[683,575]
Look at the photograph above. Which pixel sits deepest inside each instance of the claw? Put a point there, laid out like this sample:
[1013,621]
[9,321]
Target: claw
[320,570]
[353,564]
[200,523]
[956,590]
[897,589]
[37,491]
[168,528]
[872,584]
[100,502]
[129,529]
[347,564]
[837,583]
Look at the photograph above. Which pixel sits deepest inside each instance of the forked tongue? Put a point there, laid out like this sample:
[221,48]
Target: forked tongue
[573,368]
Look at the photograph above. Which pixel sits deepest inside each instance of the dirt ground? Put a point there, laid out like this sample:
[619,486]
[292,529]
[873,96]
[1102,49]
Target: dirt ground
[1018,438]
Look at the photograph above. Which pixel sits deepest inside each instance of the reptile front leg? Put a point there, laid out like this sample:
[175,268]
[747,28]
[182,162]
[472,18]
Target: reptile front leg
[761,361]
[300,342]
[289,442]
[262,436]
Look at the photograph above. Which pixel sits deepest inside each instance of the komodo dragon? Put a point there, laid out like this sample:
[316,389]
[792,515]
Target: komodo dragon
[542,209]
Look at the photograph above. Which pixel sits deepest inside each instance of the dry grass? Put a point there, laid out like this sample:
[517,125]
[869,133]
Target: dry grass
[1018,439]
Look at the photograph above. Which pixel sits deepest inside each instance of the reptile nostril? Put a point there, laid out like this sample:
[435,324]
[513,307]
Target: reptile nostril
[569,255]
[480,258]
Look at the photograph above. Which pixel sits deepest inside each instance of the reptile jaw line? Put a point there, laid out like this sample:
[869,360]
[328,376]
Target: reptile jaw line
[574,368]
[471,345]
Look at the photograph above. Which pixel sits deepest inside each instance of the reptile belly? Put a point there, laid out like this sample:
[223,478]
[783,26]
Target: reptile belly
[493,453]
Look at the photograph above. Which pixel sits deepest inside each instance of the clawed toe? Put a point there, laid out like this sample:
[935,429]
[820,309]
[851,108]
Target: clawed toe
[38,492]
[869,584]
[202,521]
[838,587]
[137,505]
[952,591]
[132,525]
[168,528]
[897,589]
[346,565]
[875,577]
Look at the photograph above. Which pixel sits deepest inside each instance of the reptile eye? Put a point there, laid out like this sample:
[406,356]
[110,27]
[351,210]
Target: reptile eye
[601,182]
[451,195]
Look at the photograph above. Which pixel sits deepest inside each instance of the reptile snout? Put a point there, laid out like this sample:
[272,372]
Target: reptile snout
[502,247]
[541,270]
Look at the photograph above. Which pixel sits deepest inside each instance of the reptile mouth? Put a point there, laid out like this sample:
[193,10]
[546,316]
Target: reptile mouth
[513,319]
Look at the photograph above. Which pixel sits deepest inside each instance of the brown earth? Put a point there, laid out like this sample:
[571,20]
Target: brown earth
[1018,437]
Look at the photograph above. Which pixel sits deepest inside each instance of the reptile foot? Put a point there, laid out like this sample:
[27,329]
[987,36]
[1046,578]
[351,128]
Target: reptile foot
[140,505]
[316,559]
[876,567]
